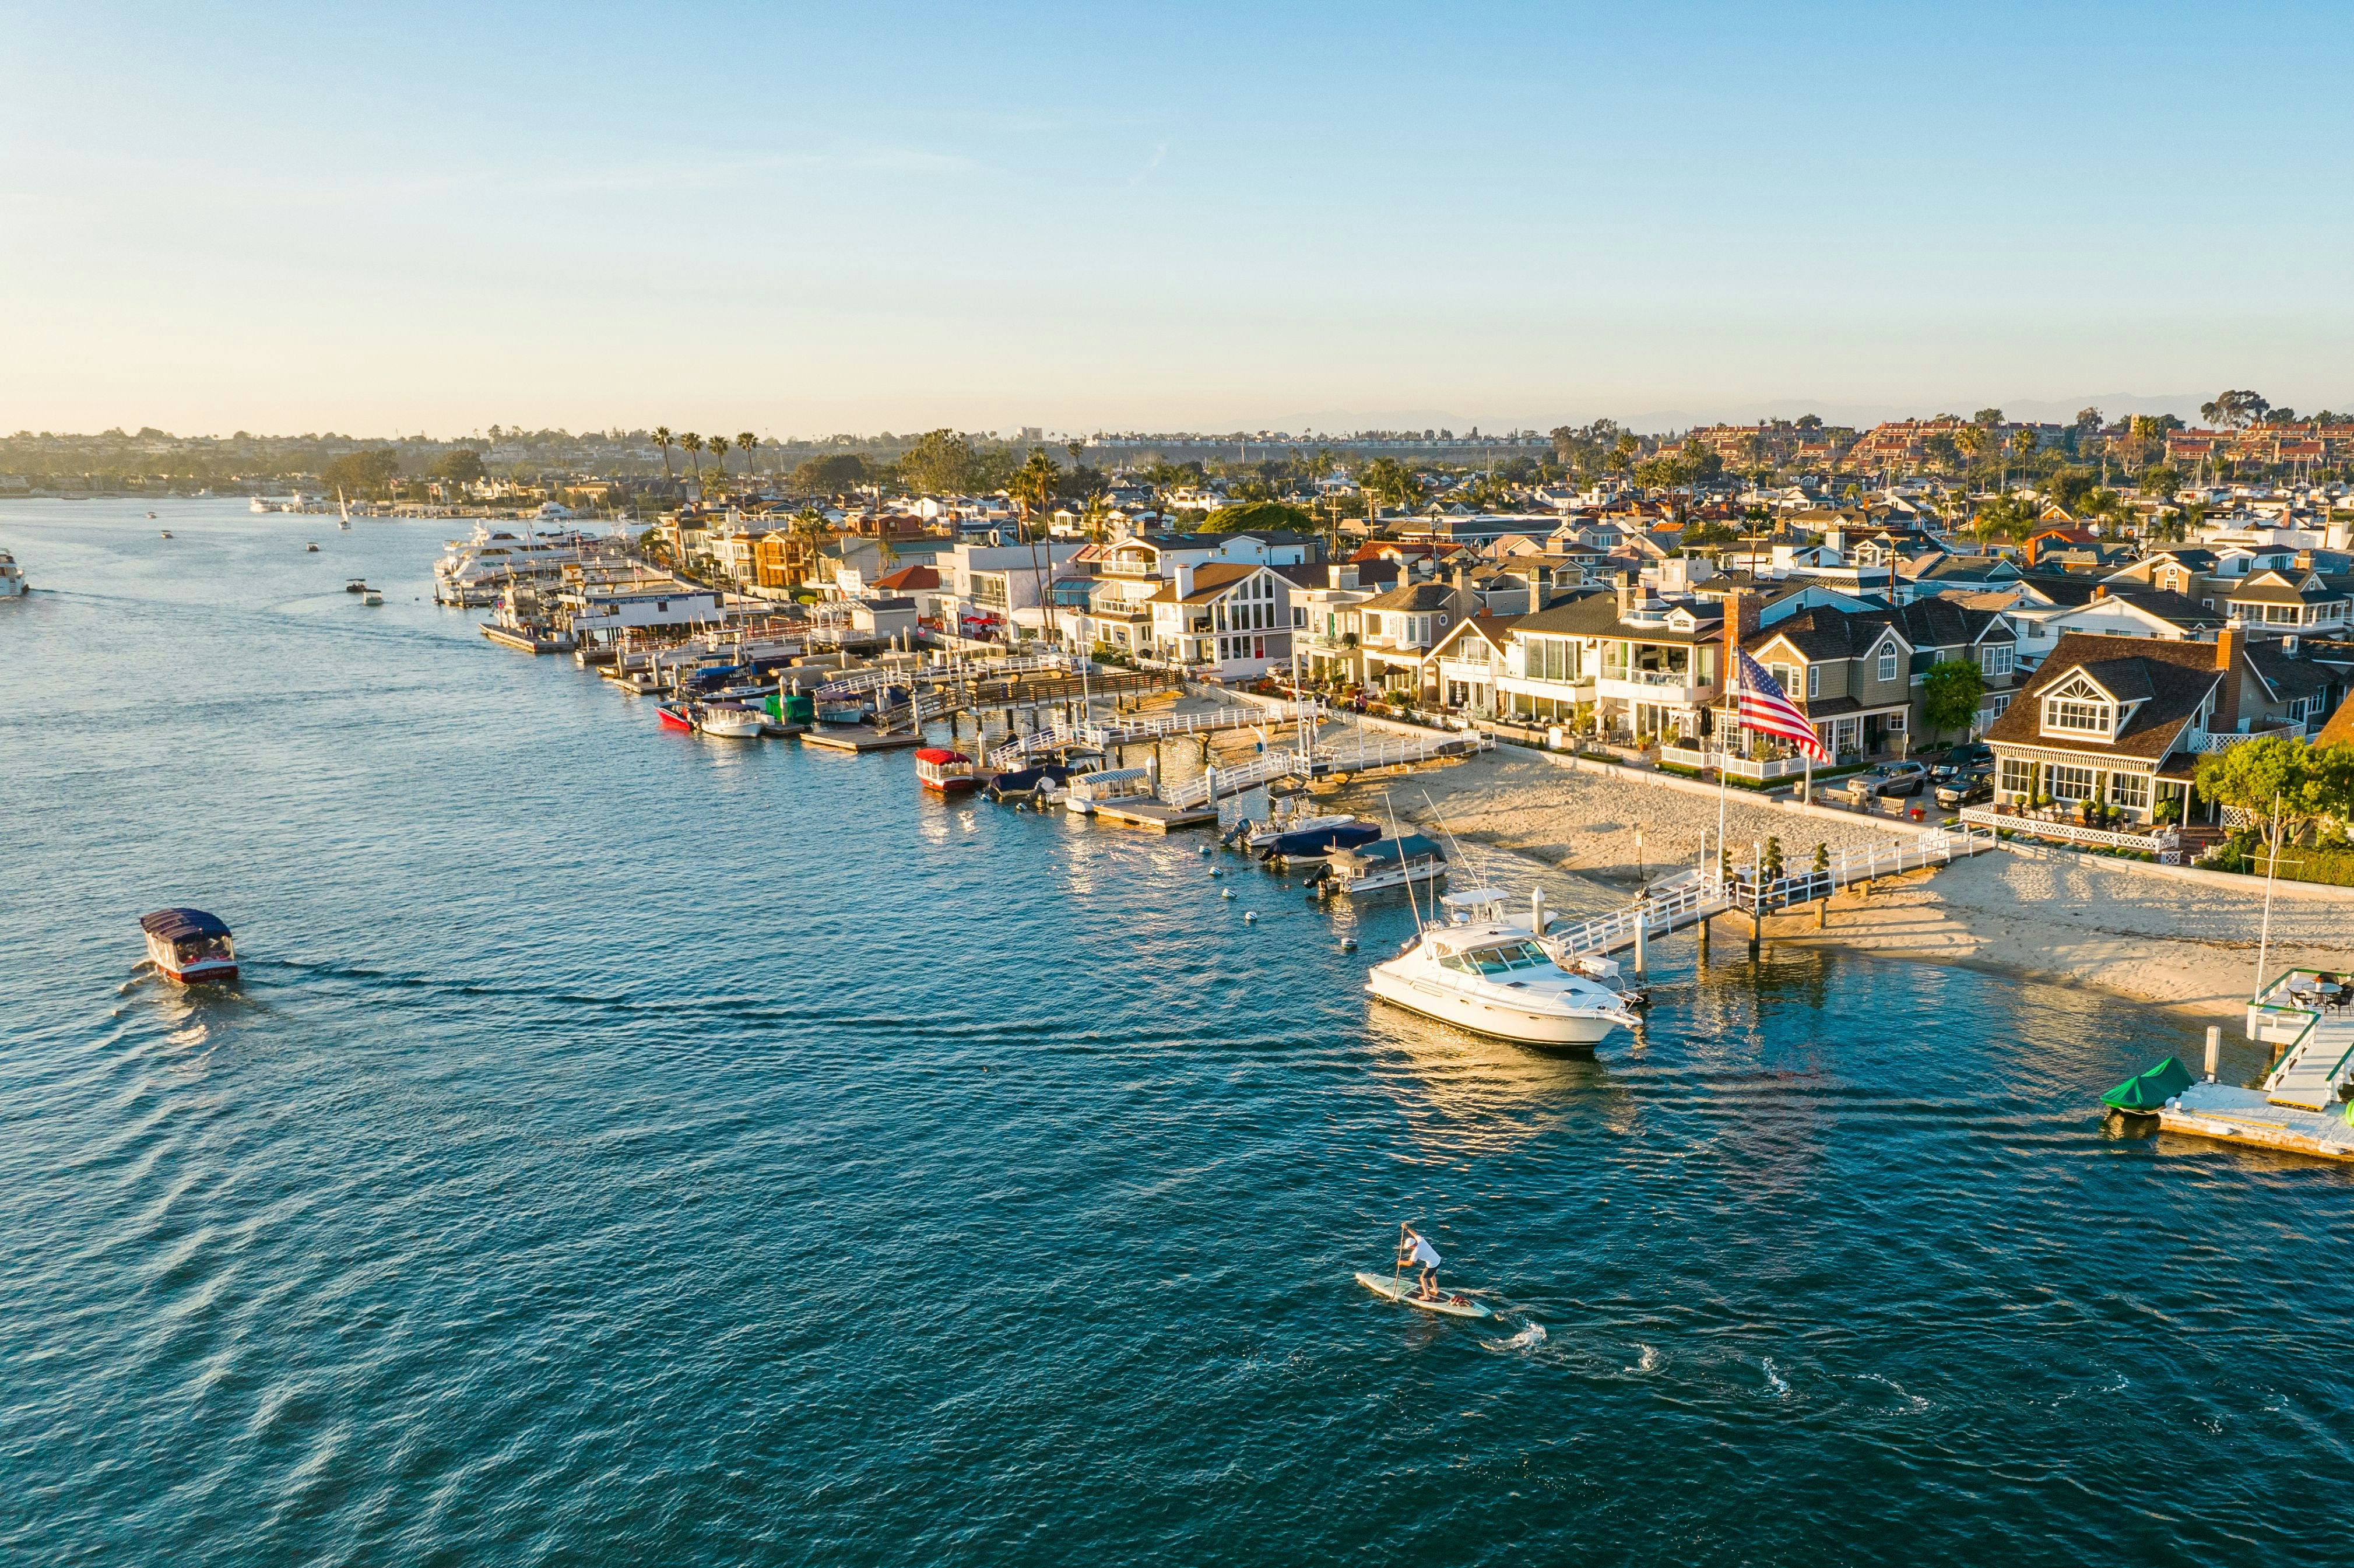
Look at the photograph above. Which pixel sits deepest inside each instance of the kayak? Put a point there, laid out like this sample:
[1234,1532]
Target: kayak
[1402,1290]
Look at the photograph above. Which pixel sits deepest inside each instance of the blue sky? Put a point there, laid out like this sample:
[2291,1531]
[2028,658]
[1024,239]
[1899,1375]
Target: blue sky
[809,219]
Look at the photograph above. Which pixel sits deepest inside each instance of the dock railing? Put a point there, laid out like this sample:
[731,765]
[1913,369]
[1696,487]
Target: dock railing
[2314,1039]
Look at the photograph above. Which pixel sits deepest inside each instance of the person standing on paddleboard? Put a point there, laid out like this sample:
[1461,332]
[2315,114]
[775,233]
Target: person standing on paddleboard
[1414,1249]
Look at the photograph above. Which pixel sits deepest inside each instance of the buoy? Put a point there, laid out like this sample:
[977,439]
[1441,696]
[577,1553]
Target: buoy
[1249,918]
[1348,944]
[1226,893]
[1205,849]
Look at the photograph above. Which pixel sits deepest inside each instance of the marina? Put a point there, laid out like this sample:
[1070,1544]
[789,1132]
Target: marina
[710,1101]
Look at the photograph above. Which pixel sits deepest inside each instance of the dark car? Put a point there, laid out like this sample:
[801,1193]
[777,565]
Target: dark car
[1977,753]
[1966,787]
[1888,779]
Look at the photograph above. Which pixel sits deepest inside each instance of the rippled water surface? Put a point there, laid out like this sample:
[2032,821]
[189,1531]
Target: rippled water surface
[629,1147]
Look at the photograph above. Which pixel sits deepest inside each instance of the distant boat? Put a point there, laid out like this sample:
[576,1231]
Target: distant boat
[355,585]
[190,945]
[370,596]
[731,721]
[151,514]
[344,507]
[311,548]
[166,532]
[12,577]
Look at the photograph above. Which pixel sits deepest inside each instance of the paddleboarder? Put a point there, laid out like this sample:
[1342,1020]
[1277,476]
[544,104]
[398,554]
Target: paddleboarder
[1414,1249]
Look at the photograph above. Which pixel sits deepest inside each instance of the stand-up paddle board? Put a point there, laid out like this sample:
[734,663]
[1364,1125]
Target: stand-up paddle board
[1402,1290]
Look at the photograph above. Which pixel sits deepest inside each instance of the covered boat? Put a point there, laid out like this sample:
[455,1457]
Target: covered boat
[944,772]
[1382,864]
[731,721]
[1319,840]
[190,945]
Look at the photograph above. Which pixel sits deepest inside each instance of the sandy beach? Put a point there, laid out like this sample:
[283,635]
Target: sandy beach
[2048,913]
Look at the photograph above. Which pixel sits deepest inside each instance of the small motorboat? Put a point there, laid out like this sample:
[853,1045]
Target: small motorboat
[189,946]
[355,585]
[370,596]
[311,548]
[1378,866]
[731,721]
[945,772]
[1323,837]
[675,715]
[166,532]
[151,516]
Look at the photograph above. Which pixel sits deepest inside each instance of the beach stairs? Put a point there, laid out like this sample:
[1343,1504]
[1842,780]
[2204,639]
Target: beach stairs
[2316,1043]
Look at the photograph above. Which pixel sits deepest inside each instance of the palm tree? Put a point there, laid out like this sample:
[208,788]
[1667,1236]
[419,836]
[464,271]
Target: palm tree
[719,456]
[1033,490]
[692,444]
[745,441]
[2023,443]
[662,441]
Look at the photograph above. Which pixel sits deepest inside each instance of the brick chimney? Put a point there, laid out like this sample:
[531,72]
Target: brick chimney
[2227,702]
[1626,594]
[1740,620]
[2100,590]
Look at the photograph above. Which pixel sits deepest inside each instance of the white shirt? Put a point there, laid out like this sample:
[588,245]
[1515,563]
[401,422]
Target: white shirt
[1424,1255]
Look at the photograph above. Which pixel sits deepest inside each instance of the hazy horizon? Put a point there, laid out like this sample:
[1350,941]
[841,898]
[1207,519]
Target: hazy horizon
[801,223]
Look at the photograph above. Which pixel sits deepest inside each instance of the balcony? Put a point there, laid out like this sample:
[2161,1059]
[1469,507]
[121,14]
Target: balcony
[1655,686]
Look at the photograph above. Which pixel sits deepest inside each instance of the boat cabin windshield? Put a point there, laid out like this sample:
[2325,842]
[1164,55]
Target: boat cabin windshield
[197,949]
[1503,958]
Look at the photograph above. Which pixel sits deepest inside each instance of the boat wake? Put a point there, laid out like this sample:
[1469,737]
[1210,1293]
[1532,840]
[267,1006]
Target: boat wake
[1775,1384]
[1528,1339]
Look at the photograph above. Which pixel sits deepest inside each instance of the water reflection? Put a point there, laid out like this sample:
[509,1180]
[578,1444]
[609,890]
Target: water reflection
[1464,1094]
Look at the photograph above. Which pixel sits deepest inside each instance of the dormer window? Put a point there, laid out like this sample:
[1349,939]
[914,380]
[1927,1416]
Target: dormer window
[2079,707]
[1888,661]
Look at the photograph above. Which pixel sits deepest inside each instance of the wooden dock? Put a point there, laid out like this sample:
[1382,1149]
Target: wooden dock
[2250,1116]
[1161,818]
[553,644]
[837,738]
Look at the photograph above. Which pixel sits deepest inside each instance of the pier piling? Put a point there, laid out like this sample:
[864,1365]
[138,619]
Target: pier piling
[2214,1050]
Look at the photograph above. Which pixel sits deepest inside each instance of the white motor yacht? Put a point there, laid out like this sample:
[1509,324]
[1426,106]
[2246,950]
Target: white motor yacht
[473,571]
[1489,973]
[12,577]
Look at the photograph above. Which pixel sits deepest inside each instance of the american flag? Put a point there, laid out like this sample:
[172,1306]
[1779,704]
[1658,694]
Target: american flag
[1766,709]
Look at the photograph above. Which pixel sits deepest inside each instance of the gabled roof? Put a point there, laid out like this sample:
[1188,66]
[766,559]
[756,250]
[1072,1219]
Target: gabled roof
[1210,581]
[2178,675]
[2285,676]
[910,579]
[1492,630]
[1413,596]
[1822,636]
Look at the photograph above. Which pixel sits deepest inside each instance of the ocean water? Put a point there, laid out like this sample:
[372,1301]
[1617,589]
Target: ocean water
[625,1147]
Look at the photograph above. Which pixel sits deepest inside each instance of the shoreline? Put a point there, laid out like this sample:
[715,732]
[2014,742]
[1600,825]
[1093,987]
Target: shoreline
[2178,942]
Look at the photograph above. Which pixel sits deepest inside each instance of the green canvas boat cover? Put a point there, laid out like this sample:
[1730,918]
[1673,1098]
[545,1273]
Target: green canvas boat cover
[2148,1092]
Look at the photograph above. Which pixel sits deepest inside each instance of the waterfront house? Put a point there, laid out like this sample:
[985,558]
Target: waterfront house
[1469,663]
[1639,665]
[2118,721]
[1230,621]
[1396,630]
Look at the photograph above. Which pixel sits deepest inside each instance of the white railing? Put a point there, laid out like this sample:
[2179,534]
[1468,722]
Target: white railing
[1216,781]
[2215,743]
[2158,841]
[1122,731]
[1758,769]
[1362,750]
[1695,896]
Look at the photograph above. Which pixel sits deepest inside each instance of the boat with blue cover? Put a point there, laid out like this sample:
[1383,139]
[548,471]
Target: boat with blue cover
[190,945]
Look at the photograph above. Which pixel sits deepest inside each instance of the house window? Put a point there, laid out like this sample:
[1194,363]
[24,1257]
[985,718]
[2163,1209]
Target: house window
[1814,681]
[2017,775]
[1995,658]
[2130,790]
[2069,783]
[1887,662]
[2070,716]
[1785,676]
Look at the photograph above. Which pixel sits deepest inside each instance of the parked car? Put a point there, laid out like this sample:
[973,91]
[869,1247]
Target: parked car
[1976,754]
[1966,787]
[1888,779]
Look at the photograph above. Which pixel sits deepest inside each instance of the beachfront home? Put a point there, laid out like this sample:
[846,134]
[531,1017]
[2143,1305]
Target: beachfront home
[1469,664]
[990,591]
[1397,629]
[1861,676]
[2118,721]
[1637,664]
[1229,620]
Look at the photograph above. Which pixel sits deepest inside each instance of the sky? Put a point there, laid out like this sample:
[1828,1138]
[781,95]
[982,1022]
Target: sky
[809,219]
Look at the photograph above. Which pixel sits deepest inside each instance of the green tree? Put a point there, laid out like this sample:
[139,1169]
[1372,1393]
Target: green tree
[662,442]
[745,441]
[460,466]
[941,463]
[1263,515]
[692,444]
[719,455]
[1390,482]
[370,474]
[1950,691]
[830,474]
[2162,480]
[2306,784]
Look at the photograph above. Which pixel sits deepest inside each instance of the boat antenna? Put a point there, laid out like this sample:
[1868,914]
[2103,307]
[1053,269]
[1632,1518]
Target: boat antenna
[1403,866]
[1478,866]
